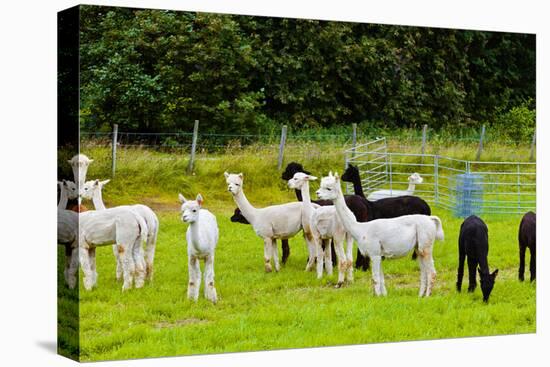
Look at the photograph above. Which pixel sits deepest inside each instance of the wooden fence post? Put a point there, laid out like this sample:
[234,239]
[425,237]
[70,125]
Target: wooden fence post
[281,147]
[533,143]
[113,149]
[424,130]
[480,147]
[193,147]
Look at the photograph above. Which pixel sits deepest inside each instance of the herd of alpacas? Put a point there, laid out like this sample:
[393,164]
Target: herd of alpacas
[388,224]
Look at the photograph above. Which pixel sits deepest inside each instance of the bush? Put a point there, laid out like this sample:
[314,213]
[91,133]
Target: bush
[518,123]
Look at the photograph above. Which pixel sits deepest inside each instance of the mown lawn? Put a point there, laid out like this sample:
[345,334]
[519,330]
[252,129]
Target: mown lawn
[292,309]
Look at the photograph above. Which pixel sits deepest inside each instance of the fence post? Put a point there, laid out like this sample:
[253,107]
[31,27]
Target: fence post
[424,129]
[193,147]
[353,140]
[436,179]
[113,149]
[533,142]
[480,147]
[281,147]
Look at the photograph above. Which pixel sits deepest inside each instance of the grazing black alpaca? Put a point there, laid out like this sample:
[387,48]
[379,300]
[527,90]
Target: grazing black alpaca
[383,208]
[237,217]
[473,243]
[354,202]
[527,239]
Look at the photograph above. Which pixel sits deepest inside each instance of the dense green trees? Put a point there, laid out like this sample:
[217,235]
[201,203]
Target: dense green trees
[151,70]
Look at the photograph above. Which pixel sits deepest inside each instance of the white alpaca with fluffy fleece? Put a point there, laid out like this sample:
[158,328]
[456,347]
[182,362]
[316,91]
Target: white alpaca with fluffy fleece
[414,179]
[270,223]
[202,237]
[391,238]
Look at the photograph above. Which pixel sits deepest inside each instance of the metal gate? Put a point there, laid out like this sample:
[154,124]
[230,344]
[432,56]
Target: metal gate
[506,187]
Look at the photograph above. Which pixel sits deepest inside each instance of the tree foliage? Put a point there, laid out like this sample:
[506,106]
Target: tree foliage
[154,70]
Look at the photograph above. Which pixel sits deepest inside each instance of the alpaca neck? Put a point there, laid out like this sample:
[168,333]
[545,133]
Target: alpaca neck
[195,233]
[97,199]
[346,215]
[483,265]
[63,199]
[411,187]
[306,206]
[247,210]
[357,187]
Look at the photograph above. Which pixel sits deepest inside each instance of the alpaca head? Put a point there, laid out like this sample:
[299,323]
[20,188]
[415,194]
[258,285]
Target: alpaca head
[92,187]
[238,217]
[190,208]
[351,174]
[79,164]
[487,283]
[70,189]
[291,169]
[329,187]
[234,182]
[415,178]
[298,180]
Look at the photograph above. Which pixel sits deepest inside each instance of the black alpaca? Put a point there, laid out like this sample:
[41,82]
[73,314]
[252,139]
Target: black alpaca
[527,239]
[237,217]
[473,243]
[383,208]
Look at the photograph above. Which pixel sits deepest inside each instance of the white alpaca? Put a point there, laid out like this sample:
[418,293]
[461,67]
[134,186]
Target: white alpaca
[270,223]
[325,226]
[414,179]
[391,238]
[93,190]
[202,237]
[79,164]
[123,227]
[67,234]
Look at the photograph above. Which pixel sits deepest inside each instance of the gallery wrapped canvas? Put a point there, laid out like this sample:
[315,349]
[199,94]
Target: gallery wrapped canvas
[231,183]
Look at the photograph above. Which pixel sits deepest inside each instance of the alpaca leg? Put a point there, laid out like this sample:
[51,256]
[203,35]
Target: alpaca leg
[73,267]
[194,278]
[128,264]
[460,272]
[312,251]
[342,262]
[275,255]
[349,257]
[376,265]
[533,263]
[150,255]
[319,257]
[118,273]
[521,271]
[429,271]
[286,251]
[383,290]
[68,252]
[267,254]
[209,288]
[86,269]
[93,267]
[139,260]
[328,256]
[423,278]
[472,265]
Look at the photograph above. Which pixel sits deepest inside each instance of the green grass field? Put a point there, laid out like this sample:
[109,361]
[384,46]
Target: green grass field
[289,309]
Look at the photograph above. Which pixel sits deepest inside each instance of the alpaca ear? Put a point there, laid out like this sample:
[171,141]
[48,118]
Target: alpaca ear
[103,183]
[495,273]
[199,199]
[90,161]
[336,176]
[311,178]
[226,174]
[330,174]
[240,175]
[182,199]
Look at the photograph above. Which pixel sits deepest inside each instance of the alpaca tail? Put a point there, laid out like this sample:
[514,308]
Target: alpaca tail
[151,245]
[439,235]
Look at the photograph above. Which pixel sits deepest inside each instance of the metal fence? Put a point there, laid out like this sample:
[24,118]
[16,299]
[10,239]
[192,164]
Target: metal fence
[504,187]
